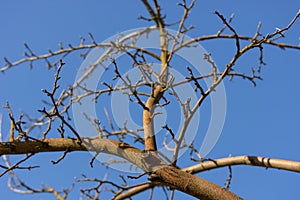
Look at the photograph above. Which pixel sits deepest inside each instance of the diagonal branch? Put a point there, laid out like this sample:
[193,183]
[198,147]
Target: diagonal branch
[259,161]
[237,41]
[192,185]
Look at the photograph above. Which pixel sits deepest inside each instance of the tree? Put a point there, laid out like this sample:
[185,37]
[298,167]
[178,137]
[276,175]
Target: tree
[55,129]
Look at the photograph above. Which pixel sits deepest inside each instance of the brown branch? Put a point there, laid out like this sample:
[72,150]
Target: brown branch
[136,190]
[190,184]
[185,182]
[146,161]
[288,165]
[259,161]
[149,135]
[12,128]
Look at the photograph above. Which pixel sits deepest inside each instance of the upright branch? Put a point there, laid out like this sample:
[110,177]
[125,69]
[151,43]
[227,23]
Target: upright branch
[149,135]
[148,115]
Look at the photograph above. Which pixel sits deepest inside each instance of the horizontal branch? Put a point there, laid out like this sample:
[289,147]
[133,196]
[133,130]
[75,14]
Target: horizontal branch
[51,54]
[260,161]
[120,45]
[147,161]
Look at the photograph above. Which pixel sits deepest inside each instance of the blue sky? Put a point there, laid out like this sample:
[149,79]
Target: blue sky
[262,120]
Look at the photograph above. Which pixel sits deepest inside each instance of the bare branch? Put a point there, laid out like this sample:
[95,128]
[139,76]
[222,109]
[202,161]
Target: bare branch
[237,41]
[17,164]
[245,160]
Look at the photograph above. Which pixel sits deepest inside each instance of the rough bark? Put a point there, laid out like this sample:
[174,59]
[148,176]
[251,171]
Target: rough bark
[192,185]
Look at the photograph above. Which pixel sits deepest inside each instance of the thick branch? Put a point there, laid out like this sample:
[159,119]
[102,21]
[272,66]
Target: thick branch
[224,162]
[146,161]
[192,185]
[185,182]
[149,135]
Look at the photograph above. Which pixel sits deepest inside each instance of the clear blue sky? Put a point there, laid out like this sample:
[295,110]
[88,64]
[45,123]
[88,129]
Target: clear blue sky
[262,120]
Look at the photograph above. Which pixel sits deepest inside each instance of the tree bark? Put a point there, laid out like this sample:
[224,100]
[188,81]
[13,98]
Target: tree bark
[192,185]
